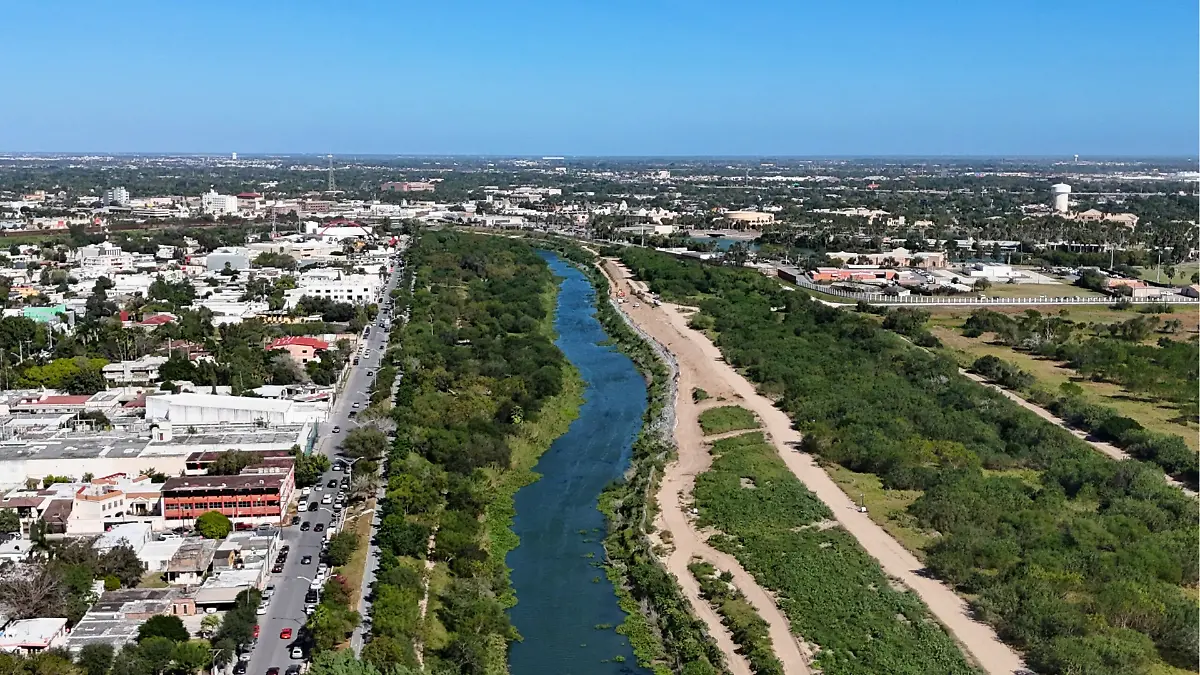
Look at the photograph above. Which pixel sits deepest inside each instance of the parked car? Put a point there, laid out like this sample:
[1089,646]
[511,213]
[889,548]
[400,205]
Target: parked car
[332,483]
[254,632]
[273,670]
[312,506]
[285,634]
[297,653]
[337,430]
[305,526]
[319,527]
[277,569]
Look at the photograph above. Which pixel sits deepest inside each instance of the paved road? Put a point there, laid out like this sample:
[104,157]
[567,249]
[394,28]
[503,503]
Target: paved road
[286,608]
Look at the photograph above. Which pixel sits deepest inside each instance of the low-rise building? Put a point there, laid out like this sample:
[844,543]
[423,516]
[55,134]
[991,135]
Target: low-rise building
[140,371]
[300,348]
[29,636]
[116,616]
[237,257]
[251,497]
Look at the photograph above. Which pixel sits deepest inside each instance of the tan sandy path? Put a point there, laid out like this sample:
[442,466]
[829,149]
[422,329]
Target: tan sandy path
[696,352]
[675,495]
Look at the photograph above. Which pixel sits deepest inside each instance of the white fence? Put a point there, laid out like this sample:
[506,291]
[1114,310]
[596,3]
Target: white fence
[911,300]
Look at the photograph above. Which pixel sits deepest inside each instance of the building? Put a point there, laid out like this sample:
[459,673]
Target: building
[116,195]
[899,257]
[218,205]
[301,349]
[250,497]
[408,186]
[237,257]
[334,285]
[133,535]
[991,272]
[1095,216]
[1062,197]
[114,501]
[141,371]
[209,409]
[749,218]
[191,562]
[830,274]
[28,636]
[116,616]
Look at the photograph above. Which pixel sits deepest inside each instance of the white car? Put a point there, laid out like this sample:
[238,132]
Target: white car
[306,492]
[327,499]
[262,609]
[297,653]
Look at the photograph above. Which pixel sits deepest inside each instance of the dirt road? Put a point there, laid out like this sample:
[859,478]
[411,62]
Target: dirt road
[702,363]
[1100,446]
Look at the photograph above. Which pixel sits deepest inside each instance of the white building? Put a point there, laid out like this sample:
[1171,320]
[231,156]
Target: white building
[218,205]
[116,195]
[201,409]
[33,635]
[238,258]
[141,371]
[335,285]
[1062,197]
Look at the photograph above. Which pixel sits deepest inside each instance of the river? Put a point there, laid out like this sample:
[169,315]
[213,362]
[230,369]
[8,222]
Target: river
[562,592]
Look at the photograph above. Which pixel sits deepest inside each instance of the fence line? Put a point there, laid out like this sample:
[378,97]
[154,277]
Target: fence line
[884,299]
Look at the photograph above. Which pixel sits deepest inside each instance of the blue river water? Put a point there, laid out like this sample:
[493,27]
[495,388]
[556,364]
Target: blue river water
[562,592]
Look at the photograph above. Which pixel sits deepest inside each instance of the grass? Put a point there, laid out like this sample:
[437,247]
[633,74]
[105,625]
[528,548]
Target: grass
[888,508]
[749,630]
[726,418]
[833,593]
[434,633]
[1038,290]
[1183,273]
[1152,414]
[152,580]
[357,567]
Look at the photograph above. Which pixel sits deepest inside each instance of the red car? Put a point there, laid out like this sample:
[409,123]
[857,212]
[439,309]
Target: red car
[255,630]
[285,634]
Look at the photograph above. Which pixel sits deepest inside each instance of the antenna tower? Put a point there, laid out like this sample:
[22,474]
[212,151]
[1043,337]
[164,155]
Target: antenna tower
[332,183]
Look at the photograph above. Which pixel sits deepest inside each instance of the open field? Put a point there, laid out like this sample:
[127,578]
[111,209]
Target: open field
[726,418]
[1038,290]
[1153,415]
[888,508]
[1183,273]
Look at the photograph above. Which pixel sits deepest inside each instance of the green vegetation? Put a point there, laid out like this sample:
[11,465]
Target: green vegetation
[341,547]
[838,598]
[726,418]
[749,630]
[213,525]
[1084,568]
[699,395]
[333,620]
[483,394]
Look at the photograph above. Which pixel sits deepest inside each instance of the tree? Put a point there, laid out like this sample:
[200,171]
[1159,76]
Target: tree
[210,624]
[86,381]
[95,658]
[9,521]
[32,590]
[122,562]
[310,468]
[231,463]
[191,656]
[366,443]
[341,547]
[344,663]
[158,652]
[163,625]
[213,525]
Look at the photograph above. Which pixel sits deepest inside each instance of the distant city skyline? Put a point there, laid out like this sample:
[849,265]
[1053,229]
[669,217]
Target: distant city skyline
[871,79]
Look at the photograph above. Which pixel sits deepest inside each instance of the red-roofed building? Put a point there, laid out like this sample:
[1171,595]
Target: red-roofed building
[52,404]
[302,349]
[155,320]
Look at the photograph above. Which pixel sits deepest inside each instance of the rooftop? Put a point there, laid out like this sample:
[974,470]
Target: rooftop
[31,632]
[206,483]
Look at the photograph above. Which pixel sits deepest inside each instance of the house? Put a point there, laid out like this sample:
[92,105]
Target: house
[116,616]
[829,274]
[1192,291]
[1111,283]
[32,635]
[302,349]
[140,371]
[191,562]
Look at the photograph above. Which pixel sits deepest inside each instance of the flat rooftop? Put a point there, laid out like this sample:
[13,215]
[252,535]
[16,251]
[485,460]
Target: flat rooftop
[64,444]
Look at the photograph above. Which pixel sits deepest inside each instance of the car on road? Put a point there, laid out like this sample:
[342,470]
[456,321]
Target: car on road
[268,592]
[337,430]
[311,595]
[292,670]
[262,609]
[273,670]
[354,405]
[370,373]
[305,526]
[297,653]
[305,492]
[240,668]
[319,527]
[257,628]
[352,414]
[285,549]
[332,483]
[285,634]
[295,520]
[277,569]
[312,506]
[327,500]
[306,560]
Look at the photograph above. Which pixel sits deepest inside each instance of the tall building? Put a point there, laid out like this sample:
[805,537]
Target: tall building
[1062,197]
[116,195]
[218,205]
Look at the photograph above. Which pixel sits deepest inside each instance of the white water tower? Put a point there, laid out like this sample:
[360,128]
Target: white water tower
[1062,197]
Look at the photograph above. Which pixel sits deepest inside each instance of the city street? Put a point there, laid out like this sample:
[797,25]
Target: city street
[286,607]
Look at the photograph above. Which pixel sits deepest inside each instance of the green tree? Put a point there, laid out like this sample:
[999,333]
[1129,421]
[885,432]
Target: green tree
[95,658]
[213,525]
[231,463]
[163,625]
[210,624]
[9,521]
[341,547]
[344,663]
[158,652]
[191,656]
[366,443]
[122,563]
[310,468]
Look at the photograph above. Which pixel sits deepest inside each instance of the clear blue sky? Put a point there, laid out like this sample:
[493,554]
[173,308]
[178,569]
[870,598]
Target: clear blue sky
[604,77]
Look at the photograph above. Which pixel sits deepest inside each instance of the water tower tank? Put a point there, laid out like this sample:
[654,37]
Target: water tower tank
[1062,197]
